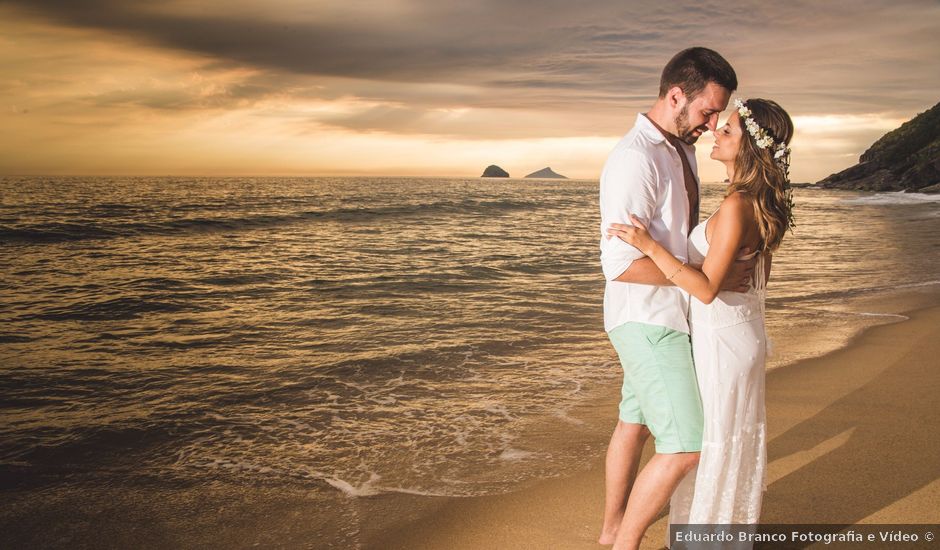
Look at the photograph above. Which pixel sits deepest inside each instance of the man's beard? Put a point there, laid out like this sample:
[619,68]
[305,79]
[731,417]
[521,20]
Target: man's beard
[683,130]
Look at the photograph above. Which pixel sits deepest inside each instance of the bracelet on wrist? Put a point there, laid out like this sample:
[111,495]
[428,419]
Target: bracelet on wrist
[676,272]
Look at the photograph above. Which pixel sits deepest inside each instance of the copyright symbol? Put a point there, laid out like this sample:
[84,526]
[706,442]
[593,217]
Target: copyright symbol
[929,536]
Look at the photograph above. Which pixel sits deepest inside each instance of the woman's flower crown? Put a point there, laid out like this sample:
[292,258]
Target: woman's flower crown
[781,151]
[762,137]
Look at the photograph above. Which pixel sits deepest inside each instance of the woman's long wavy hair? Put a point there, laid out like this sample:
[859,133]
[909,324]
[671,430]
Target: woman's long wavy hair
[760,177]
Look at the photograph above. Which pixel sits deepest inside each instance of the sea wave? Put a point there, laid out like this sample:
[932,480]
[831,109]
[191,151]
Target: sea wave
[898,197]
[83,229]
[124,307]
[831,295]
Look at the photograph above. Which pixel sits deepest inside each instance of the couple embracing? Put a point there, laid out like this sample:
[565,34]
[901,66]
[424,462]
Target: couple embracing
[684,301]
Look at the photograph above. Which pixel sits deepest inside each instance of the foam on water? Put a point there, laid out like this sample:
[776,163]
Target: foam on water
[364,490]
[515,454]
[919,284]
[891,315]
[563,415]
[897,197]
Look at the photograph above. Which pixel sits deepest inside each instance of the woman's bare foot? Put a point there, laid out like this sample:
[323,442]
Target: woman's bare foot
[608,536]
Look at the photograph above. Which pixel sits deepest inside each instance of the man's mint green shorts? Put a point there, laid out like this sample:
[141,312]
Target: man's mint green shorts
[659,385]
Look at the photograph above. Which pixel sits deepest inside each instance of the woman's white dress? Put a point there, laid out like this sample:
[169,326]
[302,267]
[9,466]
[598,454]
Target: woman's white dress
[729,345]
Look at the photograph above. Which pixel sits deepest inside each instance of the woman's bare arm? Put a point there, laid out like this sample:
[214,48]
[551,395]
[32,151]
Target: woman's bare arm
[705,284]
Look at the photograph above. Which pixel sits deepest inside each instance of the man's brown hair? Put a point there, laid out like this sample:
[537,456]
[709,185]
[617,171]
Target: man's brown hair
[692,69]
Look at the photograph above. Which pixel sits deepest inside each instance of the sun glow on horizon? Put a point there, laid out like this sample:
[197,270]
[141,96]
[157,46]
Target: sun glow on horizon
[84,98]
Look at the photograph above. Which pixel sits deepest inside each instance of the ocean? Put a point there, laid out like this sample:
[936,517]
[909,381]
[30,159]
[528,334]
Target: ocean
[244,347]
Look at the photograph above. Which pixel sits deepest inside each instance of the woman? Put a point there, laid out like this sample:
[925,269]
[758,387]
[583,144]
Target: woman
[728,338]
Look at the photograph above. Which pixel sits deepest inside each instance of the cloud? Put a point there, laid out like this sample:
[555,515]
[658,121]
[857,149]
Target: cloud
[477,71]
[424,47]
[584,46]
[461,123]
[573,49]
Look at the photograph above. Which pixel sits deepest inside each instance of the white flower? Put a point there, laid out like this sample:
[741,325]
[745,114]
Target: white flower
[761,137]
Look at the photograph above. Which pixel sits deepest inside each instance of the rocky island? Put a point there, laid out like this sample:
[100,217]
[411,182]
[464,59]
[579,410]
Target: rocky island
[546,173]
[493,171]
[905,159]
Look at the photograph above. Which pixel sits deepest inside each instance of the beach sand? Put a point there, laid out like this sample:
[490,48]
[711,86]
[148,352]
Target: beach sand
[852,440]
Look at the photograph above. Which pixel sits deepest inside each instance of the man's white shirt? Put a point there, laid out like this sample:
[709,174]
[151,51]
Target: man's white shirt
[643,176]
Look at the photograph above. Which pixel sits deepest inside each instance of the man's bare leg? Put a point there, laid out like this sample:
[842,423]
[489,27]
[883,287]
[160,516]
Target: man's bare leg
[651,491]
[623,460]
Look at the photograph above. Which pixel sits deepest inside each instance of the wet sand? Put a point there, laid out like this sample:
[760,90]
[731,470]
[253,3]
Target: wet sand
[852,440]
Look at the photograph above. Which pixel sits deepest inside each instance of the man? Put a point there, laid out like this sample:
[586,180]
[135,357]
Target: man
[651,173]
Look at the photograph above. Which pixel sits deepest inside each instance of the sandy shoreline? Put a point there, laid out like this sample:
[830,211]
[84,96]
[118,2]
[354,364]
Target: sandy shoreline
[851,441]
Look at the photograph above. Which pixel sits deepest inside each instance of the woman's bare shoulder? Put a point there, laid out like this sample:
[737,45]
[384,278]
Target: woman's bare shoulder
[739,205]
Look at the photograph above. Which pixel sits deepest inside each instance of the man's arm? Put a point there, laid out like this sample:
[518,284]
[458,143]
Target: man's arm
[643,272]
[628,186]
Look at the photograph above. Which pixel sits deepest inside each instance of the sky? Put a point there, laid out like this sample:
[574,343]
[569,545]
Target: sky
[431,88]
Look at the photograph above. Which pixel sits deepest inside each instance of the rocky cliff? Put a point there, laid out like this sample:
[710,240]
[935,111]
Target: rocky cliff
[907,158]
